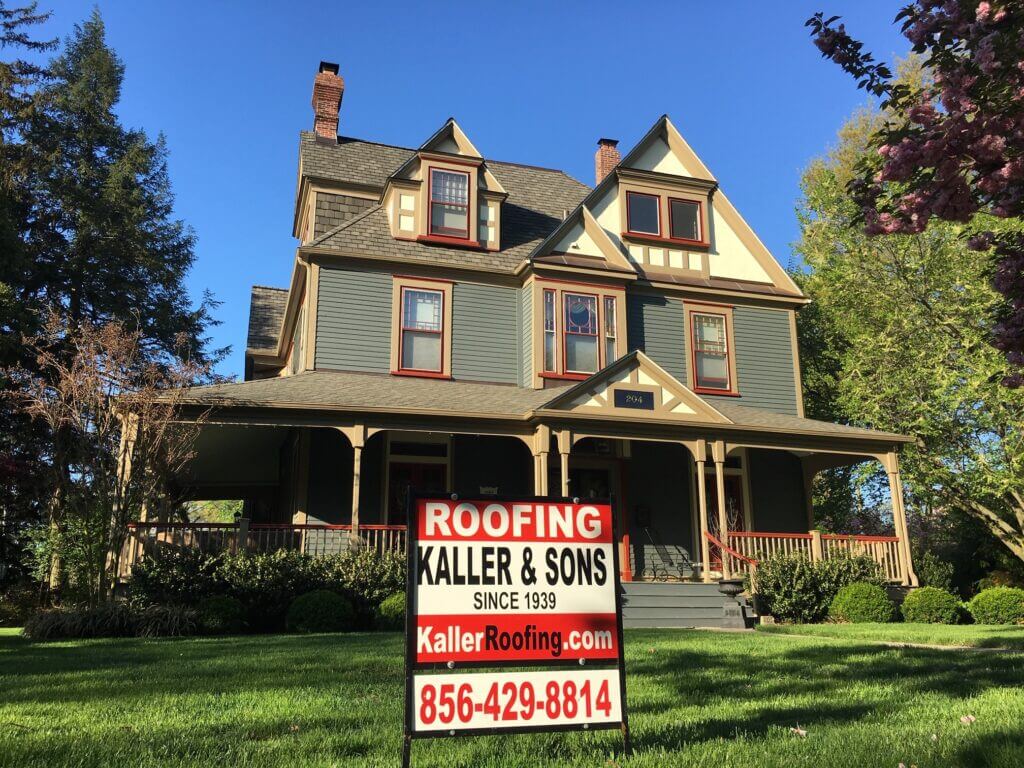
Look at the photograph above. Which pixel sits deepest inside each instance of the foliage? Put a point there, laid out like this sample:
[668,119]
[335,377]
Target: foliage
[792,587]
[17,602]
[859,603]
[221,615]
[933,571]
[215,511]
[111,620]
[268,583]
[366,577]
[320,611]
[391,612]
[951,146]
[998,605]
[901,344]
[931,605]
[1000,579]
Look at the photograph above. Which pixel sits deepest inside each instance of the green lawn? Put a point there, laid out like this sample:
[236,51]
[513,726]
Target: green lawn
[696,699]
[966,635]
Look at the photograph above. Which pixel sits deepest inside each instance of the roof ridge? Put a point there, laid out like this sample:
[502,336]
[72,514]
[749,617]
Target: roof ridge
[344,225]
[269,287]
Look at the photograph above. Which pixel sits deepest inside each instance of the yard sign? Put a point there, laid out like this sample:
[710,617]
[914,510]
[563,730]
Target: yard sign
[525,582]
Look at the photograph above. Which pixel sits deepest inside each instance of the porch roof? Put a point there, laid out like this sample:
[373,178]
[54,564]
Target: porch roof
[348,393]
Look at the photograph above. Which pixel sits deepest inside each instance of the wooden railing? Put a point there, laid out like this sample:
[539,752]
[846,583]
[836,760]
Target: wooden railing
[317,540]
[745,548]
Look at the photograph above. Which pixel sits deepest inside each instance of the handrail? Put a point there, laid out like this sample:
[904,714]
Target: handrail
[725,548]
[857,537]
[757,535]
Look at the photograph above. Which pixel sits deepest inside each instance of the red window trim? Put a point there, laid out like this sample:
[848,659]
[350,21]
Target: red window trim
[560,332]
[430,204]
[458,242]
[544,330]
[700,222]
[629,226]
[565,376]
[729,391]
[596,335]
[401,335]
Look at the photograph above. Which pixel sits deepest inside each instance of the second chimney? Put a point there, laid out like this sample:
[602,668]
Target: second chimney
[328,88]
[606,158]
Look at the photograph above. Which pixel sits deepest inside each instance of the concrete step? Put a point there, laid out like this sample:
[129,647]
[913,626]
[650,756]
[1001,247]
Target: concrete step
[673,604]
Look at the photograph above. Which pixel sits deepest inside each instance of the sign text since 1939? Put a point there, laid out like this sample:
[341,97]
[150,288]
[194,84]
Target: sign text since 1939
[532,583]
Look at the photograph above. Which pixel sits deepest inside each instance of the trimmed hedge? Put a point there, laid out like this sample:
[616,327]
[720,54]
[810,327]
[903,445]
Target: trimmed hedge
[113,620]
[998,605]
[221,615]
[391,612]
[320,611]
[930,605]
[793,588]
[861,603]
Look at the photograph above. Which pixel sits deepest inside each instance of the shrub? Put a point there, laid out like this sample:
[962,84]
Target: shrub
[793,588]
[320,611]
[931,605]
[268,583]
[391,612]
[221,615]
[861,602]
[112,620]
[174,576]
[933,571]
[998,605]
[17,603]
[366,577]
[999,578]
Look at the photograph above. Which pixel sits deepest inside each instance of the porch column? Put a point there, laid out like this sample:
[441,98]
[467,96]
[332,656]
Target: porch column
[564,446]
[357,437]
[899,518]
[718,454]
[702,510]
[541,445]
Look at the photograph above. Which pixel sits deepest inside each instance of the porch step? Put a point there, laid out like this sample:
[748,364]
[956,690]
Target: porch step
[667,604]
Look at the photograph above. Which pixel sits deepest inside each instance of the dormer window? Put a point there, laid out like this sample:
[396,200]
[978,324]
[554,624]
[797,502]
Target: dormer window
[642,216]
[684,220]
[449,203]
[578,330]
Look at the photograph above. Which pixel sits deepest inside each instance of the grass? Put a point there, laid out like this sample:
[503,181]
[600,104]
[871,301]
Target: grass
[963,635]
[696,699]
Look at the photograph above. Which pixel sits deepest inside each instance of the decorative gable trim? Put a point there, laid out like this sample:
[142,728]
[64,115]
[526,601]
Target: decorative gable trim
[584,219]
[635,386]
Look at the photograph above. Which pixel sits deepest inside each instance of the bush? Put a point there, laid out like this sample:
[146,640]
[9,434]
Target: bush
[17,603]
[933,571]
[176,577]
[113,620]
[998,605]
[931,605]
[320,611]
[793,588]
[221,615]
[391,612]
[365,577]
[860,603]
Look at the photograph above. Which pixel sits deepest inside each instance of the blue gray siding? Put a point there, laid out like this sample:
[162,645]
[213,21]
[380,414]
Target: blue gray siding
[764,353]
[654,325]
[353,320]
[526,342]
[485,333]
[777,491]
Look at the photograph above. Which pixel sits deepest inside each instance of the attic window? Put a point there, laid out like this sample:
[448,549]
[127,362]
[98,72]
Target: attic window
[449,203]
[642,215]
[684,221]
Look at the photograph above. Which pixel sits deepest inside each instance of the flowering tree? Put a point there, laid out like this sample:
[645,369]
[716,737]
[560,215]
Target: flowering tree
[953,145]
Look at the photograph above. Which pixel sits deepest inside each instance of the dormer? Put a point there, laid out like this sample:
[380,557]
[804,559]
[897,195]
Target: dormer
[444,194]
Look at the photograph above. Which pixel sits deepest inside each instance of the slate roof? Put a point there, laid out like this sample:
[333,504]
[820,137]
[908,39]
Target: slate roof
[344,391]
[266,313]
[538,199]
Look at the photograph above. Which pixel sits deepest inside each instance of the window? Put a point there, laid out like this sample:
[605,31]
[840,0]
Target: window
[711,352]
[609,330]
[581,341]
[549,331]
[684,221]
[642,215]
[449,203]
[422,330]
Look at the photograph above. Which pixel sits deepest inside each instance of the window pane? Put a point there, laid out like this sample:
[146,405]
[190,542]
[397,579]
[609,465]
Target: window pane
[549,351]
[609,351]
[549,310]
[609,317]
[449,219]
[421,310]
[421,351]
[685,220]
[642,213]
[580,353]
[449,203]
[581,314]
[711,351]
[449,187]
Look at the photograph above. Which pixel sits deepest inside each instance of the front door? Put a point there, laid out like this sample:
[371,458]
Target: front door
[402,476]
[590,483]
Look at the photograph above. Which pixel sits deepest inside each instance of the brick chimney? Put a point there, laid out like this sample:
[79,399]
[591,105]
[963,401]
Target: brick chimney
[606,158]
[328,88]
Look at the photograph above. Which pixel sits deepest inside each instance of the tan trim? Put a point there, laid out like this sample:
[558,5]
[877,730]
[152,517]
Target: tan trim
[740,297]
[691,308]
[794,341]
[445,288]
[312,304]
[333,259]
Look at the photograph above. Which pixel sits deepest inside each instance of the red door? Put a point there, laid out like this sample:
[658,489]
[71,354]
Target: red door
[419,477]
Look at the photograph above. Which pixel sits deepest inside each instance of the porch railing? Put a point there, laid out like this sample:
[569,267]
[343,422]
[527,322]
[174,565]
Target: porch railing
[745,548]
[317,540]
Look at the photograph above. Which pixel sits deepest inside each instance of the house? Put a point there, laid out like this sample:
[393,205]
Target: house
[462,324]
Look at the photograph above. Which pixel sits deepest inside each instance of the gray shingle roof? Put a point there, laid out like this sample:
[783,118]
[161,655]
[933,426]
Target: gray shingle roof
[746,416]
[266,312]
[538,198]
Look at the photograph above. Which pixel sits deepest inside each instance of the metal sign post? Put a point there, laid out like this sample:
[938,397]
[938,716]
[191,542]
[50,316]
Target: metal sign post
[528,582]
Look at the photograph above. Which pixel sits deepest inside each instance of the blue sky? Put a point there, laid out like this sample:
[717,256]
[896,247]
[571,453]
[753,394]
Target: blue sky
[229,84]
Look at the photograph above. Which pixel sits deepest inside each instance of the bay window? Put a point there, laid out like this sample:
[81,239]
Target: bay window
[449,203]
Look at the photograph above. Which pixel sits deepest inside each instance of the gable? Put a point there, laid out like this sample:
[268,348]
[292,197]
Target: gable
[635,387]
